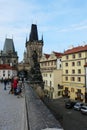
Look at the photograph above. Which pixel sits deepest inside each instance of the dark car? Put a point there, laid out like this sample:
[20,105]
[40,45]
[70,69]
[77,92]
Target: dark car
[70,104]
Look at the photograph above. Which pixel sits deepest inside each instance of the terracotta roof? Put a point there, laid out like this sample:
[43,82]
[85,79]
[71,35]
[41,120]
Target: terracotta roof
[76,49]
[57,54]
[47,55]
[6,66]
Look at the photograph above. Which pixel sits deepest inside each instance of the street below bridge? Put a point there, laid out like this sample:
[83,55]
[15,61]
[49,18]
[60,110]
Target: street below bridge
[11,110]
[69,119]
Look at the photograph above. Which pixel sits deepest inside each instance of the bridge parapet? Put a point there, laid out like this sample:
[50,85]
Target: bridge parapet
[38,116]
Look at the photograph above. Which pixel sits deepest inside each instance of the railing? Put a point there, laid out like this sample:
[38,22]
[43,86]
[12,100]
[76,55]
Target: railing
[38,115]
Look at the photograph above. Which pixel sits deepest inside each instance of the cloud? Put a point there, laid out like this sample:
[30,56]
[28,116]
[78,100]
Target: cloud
[51,17]
[75,27]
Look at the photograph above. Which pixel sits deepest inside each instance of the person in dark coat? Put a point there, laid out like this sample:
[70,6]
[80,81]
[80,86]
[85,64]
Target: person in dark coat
[5,83]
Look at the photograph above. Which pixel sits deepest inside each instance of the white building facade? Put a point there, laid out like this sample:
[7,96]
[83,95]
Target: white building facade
[7,71]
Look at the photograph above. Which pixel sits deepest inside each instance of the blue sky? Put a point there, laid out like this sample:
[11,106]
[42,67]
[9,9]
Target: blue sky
[63,23]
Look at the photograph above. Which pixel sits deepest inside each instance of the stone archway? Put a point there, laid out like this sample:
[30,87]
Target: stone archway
[23,73]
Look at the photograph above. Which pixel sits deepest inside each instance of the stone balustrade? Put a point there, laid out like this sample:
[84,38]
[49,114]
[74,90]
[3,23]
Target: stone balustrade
[38,115]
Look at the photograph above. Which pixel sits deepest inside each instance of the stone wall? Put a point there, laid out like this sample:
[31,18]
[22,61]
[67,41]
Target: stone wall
[38,115]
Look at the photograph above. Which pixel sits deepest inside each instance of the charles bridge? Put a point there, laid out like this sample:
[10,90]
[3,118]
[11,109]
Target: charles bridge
[25,113]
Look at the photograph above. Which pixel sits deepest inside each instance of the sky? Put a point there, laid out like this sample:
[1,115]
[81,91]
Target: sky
[63,23]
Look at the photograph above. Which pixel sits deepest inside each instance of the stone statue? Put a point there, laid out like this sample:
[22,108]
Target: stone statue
[35,56]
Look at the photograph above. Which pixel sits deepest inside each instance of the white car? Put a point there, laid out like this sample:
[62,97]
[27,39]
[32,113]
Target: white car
[78,106]
[84,109]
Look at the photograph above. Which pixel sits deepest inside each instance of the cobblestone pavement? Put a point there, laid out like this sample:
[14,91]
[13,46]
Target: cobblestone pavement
[11,110]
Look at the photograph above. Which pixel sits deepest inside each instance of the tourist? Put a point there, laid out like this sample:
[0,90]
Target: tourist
[5,83]
[15,82]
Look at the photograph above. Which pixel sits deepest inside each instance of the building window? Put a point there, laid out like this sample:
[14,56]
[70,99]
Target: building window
[79,90]
[66,78]
[3,72]
[79,71]
[73,71]
[66,71]
[73,79]
[73,63]
[73,56]
[66,64]
[79,63]
[79,79]
[50,83]
[3,75]
[79,55]
[8,61]
[67,57]
[14,61]
[59,93]
[45,63]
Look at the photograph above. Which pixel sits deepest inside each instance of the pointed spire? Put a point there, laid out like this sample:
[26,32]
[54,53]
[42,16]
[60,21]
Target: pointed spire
[33,33]
[42,38]
[8,45]
[26,39]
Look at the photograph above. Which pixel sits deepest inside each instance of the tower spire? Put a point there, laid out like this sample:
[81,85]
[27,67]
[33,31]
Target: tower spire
[42,38]
[33,33]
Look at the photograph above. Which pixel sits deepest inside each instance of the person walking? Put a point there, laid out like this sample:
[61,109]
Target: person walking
[12,89]
[15,82]
[5,83]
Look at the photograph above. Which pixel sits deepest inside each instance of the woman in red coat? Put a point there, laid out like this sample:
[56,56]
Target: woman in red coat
[15,82]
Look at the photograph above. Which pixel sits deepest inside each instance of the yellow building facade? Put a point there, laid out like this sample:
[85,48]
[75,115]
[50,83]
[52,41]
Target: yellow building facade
[51,70]
[74,81]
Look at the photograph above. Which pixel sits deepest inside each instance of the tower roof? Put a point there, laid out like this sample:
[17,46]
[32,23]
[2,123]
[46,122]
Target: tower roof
[8,46]
[33,33]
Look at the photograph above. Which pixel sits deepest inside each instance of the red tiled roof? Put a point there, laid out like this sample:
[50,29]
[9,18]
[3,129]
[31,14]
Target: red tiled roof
[76,49]
[6,66]
[57,54]
[47,55]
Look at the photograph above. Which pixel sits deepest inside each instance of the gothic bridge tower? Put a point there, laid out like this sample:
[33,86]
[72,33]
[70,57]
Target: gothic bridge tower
[33,44]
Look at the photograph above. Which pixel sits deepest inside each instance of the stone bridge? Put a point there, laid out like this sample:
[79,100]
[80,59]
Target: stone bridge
[25,113]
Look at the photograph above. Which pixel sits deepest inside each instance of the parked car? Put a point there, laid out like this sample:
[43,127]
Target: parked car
[84,109]
[70,104]
[78,106]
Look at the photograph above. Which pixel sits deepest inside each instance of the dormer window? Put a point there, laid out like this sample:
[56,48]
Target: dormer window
[73,56]
[67,57]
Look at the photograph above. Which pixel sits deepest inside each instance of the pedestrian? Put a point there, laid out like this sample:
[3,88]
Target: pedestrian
[19,89]
[15,82]
[12,89]
[5,83]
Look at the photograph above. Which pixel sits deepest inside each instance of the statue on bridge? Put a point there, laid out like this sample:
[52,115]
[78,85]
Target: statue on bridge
[36,76]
